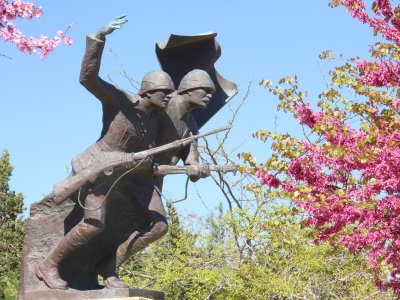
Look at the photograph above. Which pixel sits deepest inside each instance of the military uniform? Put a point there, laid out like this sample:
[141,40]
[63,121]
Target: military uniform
[125,128]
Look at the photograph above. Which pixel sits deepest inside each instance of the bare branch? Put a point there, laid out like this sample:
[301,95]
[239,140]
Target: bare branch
[3,55]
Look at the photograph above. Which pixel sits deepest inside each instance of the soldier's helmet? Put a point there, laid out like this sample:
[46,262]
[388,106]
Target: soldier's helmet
[156,80]
[196,79]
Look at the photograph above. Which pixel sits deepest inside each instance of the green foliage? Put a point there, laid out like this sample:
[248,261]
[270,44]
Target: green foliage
[240,255]
[11,232]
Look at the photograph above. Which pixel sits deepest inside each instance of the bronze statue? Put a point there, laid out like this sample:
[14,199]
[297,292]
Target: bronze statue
[120,177]
[128,126]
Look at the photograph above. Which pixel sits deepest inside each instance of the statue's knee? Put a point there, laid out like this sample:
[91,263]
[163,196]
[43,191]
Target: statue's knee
[89,230]
[161,229]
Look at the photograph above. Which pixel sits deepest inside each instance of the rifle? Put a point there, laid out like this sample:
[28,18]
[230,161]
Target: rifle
[166,169]
[110,160]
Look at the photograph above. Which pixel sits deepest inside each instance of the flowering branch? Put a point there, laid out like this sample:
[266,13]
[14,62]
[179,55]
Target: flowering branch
[345,171]
[10,33]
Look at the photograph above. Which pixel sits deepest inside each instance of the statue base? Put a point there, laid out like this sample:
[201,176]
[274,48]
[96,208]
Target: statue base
[70,294]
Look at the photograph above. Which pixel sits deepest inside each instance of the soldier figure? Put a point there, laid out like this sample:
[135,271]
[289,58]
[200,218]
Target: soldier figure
[176,122]
[194,92]
[129,125]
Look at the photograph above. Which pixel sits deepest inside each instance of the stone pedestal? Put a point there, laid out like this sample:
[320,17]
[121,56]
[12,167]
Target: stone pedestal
[132,294]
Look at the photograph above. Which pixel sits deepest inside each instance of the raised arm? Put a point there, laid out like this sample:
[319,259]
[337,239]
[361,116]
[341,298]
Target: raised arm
[89,76]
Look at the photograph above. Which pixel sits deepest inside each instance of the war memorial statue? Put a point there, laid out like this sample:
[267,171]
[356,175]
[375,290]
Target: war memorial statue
[110,206]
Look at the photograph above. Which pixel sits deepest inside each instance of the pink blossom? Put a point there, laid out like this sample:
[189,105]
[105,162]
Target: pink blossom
[268,179]
[305,115]
[9,33]
[396,105]
[388,31]
[384,8]
[68,40]
[379,74]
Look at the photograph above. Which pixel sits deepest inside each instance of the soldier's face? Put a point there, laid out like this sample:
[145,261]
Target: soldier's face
[160,98]
[199,98]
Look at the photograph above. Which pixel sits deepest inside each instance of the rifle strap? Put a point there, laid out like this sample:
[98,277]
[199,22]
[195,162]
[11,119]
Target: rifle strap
[109,191]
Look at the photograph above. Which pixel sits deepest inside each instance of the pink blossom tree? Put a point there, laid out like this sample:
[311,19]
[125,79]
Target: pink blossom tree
[11,10]
[345,171]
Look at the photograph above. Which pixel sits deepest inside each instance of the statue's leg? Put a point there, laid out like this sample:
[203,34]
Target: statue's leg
[150,200]
[108,270]
[91,225]
[140,239]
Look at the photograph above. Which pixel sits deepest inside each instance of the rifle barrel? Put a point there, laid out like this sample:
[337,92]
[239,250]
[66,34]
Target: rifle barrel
[166,169]
[177,144]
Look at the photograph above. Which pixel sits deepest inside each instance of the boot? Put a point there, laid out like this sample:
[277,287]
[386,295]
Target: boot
[48,272]
[114,282]
[108,270]
[48,269]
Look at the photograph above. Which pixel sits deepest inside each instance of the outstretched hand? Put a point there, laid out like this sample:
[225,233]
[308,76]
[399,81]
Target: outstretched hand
[111,26]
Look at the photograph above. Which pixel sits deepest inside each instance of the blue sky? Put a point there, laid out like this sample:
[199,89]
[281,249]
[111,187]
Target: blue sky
[47,117]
